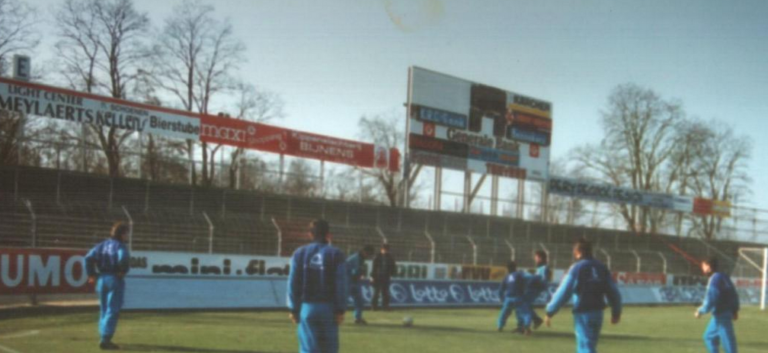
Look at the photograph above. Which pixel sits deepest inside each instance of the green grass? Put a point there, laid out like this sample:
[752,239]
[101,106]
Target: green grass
[643,329]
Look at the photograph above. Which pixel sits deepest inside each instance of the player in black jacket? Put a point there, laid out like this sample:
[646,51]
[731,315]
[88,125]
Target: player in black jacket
[384,267]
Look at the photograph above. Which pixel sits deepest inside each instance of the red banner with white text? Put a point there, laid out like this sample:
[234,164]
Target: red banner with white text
[263,137]
[43,271]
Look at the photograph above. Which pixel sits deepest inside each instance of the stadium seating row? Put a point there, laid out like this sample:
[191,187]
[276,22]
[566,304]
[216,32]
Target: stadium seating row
[74,210]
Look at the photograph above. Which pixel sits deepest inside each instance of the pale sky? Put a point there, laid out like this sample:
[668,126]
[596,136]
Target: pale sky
[333,61]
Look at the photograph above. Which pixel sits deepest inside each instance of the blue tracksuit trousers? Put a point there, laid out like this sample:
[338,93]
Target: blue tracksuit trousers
[318,331]
[356,291]
[720,333]
[587,326]
[524,314]
[510,304]
[111,290]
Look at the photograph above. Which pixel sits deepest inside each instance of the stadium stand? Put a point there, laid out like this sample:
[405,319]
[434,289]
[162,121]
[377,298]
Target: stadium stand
[50,208]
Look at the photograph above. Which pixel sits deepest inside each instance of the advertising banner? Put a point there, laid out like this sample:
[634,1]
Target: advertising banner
[640,278]
[85,108]
[170,264]
[615,194]
[711,207]
[495,131]
[263,137]
[42,271]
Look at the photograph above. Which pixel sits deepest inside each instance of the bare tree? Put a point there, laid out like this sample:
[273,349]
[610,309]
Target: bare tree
[17,36]
[193,59]
[386,131]
[300,179]
[638,126]
[560,209]
[100,46]
[253,105]
[722,173]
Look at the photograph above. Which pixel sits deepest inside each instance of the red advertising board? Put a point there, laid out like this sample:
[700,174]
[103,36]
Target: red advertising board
[42,271]
[640,278]
[263,137]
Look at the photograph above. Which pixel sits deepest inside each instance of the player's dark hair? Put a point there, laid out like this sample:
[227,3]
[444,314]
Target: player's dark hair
[385,246]
[713,263]
[584,247]
[542,257]
[320,229]
[511,266]
[119,231]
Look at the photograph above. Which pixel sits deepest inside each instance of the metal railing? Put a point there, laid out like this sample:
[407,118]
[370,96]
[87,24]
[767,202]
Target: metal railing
[169,217]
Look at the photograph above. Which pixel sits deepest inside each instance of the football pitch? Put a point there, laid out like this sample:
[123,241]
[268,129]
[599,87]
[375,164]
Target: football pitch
[643,329]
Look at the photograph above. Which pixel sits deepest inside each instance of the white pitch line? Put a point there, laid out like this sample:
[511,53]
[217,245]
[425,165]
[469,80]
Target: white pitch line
[21,334]
[8,350]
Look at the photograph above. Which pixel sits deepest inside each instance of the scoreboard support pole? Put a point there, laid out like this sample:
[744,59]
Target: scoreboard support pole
[469,191]
[494,195]
[438,189]
[544,201]
[520,198]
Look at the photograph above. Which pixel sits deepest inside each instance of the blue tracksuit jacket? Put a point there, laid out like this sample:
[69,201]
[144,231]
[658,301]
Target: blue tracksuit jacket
[110,261]
[722,301]
[588,283]
[317,291]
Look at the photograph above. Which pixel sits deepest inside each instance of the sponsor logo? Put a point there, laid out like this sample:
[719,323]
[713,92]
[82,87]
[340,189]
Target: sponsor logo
[440,117]
[469,138]
[533,150]
[42,271]
[509,172]
[494,156]
[507,145]
[531,103]
[429,129]
[529,136]
[224,133]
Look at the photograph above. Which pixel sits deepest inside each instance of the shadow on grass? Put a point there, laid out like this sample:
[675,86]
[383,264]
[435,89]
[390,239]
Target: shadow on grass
[178,349]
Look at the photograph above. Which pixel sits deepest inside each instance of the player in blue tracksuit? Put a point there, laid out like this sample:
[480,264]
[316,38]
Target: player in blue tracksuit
[356,275]
[589,283]
[317,292]
[536,284]
[110,262]
[511,292]
[722,301]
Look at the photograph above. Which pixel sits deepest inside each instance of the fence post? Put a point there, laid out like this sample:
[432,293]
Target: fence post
[511,250]
[607,256]
[58,189]
[382,235]
[663,261]
[432,245]
[639,261]
[210,233]
[474,250]
[32,214]
[146,199]
[279,236]
[130,228]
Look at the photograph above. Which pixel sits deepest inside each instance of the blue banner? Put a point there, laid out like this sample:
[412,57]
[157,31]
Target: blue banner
[441,117]
[490,155]
[531,136]
[446,293]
